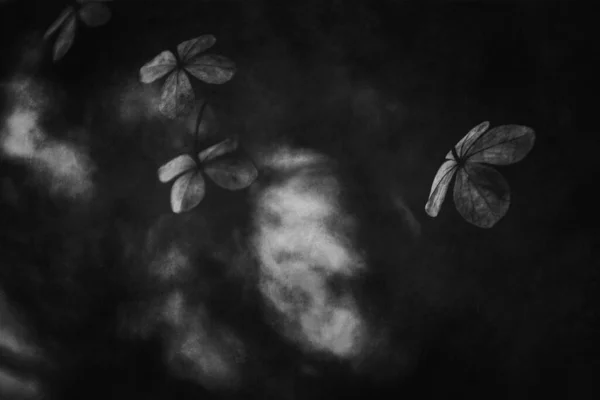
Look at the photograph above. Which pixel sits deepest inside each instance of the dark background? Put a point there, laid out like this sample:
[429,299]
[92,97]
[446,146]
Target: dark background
[396,84]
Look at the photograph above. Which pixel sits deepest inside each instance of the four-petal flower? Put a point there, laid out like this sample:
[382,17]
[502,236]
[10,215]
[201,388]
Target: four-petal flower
[177,94]
[92,12]
[231,173]
[481,194]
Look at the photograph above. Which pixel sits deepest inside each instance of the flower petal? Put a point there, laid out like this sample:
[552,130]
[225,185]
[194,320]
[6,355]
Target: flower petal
[187,192]
[440,185]
[232,173]
[65,38]
[177,95]
[158,67]
[481,194]
[211,68]
[66,13]
[463,146]
[226,146]
[191,48]
[503,145]
[94,14]
[175,167]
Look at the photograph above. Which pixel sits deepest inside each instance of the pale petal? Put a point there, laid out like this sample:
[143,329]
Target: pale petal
[437,194]
[175,167]
[481,195]
[211,68]
[66,13]
[191,48]
[187,192]
[506,144]
[94,14]
[232,173]
[466,142]
[226,146]
[177,95]
[158,67]
[65,38]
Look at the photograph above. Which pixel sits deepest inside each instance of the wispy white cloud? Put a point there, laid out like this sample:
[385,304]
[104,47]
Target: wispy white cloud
[22,136]
[13,386]
[64,167]
[136,101]
[170,264]
[199,348]
[300,251]
[14,341]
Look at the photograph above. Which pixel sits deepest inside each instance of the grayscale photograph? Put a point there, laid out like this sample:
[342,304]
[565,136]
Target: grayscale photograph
[299,200]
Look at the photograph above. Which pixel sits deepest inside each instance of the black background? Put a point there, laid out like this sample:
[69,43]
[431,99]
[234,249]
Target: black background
[396,84]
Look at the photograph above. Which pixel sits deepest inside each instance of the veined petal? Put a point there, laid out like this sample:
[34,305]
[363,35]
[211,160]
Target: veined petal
[191,48]
[463,146]
[226,146]
[232,173]
[175,167]
[481,194]
[187,192]
[66,13]
[211,68]
[503,145]
[437,194]
[177,95]
[158,67]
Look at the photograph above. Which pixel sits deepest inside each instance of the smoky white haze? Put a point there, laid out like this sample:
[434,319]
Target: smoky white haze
[59,167]
[14,339]
[303,240]
[300,250]
[63,167]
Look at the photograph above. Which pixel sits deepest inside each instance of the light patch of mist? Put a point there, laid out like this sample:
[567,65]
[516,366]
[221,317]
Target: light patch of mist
[402,208]
[286,159]
[135,104]
[64,167]
[170,264]
[12,386]
[13,340]
[199,348]
[174,309]
[28,94]
[299,252]
[337,329]
[22,136]
[68,169]
[137,101]
[213,355]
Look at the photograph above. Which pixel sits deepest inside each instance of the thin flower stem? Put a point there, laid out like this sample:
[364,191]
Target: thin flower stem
[198,122]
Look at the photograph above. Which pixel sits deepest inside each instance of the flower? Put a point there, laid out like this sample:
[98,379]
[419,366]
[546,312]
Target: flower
[231,173]
[177,94]
[92,12]
[481,194]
